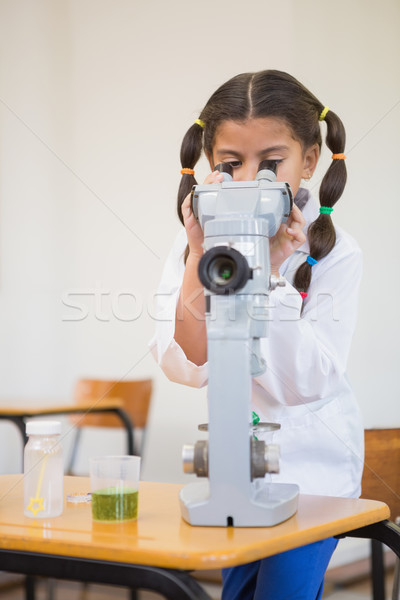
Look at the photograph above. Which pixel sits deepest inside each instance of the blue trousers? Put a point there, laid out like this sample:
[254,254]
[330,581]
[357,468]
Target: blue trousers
[293,575]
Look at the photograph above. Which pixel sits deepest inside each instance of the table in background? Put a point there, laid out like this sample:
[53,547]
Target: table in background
[19,412]
[155,551]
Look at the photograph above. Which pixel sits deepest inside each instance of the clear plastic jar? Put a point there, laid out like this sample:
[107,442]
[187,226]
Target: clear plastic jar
[43,470]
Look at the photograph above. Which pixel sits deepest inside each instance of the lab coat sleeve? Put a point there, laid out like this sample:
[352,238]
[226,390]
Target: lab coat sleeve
[306,354]
[163,346]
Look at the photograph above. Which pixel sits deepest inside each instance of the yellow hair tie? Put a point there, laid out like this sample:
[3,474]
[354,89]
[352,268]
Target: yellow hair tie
[187,172]
[340,156]
[324,113]
[200,122]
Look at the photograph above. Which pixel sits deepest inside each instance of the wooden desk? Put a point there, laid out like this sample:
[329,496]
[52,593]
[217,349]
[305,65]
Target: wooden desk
[19,412]
[151,552]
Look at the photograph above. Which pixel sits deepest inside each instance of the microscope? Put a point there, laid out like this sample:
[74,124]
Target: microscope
[237,218]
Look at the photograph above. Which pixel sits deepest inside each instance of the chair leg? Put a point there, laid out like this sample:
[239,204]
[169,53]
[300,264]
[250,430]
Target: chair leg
[51,588]
[378,571]
[396,581]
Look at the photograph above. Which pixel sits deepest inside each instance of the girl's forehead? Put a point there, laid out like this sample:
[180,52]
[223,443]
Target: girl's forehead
[253,132]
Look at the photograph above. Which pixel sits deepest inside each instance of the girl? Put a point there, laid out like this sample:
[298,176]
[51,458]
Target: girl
[253,117]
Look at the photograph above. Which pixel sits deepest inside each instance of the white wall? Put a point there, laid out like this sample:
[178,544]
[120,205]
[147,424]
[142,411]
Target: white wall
[95,96]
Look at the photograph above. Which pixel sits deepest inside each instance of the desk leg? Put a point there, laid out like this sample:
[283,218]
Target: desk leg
[30,587]
[127,424]
[20,423]
[385,531]
[128,427]
[378,571]
[396,581]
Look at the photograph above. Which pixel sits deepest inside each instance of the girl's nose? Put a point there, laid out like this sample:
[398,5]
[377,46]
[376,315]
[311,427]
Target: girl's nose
[247,173]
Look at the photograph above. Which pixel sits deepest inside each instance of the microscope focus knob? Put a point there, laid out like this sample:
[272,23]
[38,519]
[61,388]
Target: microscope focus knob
[264,458]
[275,281]
[188,458]
[271,458]
[195,458]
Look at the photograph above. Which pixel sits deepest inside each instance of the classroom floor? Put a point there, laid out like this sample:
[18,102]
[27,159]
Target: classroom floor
[340,585]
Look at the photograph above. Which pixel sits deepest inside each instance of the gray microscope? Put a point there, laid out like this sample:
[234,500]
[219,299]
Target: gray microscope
[238,218]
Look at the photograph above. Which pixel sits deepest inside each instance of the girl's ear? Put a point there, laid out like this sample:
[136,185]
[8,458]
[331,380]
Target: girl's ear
[311,157]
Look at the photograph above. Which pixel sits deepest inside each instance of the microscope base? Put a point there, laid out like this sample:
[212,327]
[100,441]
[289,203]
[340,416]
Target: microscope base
[267,504]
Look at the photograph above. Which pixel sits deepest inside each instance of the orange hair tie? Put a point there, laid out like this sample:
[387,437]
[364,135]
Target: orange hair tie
[338,156]
[187,172]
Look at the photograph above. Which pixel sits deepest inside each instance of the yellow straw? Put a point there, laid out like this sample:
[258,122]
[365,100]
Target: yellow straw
[38,499]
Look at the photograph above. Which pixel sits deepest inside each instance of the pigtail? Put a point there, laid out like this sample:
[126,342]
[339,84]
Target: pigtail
[190,153]
[321,233]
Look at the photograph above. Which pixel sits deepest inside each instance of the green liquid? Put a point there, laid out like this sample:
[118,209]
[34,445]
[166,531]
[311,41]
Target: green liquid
[114,504]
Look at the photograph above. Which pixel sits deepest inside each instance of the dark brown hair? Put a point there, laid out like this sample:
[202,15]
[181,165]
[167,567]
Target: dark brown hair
[274,94]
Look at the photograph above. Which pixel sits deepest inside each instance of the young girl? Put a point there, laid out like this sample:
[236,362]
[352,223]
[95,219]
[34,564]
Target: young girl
[253,117]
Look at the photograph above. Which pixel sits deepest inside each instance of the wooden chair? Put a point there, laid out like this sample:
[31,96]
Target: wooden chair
[381,481]
[136,397]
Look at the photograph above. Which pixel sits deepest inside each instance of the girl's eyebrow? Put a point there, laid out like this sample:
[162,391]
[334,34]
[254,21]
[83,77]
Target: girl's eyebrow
[264,151]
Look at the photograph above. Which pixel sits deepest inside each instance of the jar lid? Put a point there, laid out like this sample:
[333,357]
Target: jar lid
[79,497]
[43,427]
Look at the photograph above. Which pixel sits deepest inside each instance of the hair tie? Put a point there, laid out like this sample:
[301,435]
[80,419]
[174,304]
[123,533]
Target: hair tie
[303,295]
[325,210]
[340,156]
[311,261]
[324,113]
[187,172]
[200,122]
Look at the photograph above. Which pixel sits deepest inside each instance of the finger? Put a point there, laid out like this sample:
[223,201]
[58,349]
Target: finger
[214,177]
[186,201]
[297,217]
[297,234]
[187,207]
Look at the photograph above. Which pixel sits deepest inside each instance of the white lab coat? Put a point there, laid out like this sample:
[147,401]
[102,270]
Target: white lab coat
[305,387]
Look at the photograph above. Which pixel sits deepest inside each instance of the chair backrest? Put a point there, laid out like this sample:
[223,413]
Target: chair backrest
[381,476]
[135,395]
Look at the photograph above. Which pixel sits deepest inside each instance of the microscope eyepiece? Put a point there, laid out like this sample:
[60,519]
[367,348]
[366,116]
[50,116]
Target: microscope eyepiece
[224,168]
[224,270]
[268,165]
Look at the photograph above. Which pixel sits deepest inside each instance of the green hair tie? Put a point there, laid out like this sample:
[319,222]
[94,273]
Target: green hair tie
[325,210]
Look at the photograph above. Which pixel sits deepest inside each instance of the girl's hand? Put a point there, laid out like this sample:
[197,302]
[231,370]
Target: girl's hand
[288,239]
[193,230]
